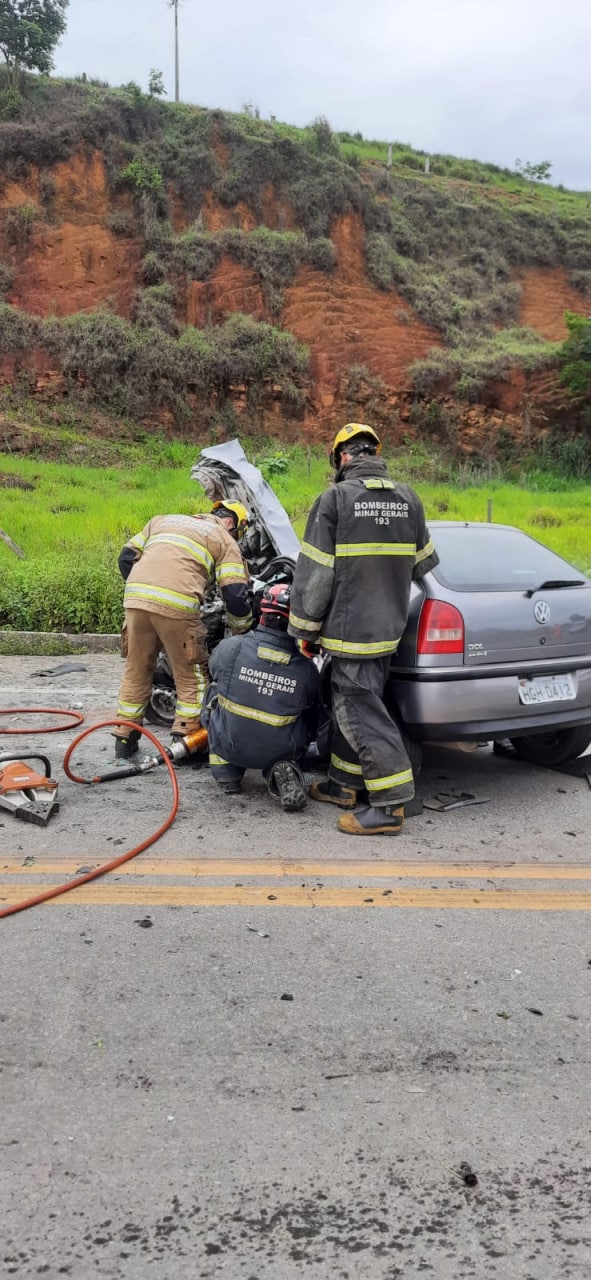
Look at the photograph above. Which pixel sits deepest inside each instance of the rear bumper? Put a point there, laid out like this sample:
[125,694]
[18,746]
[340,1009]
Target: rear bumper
[476,709]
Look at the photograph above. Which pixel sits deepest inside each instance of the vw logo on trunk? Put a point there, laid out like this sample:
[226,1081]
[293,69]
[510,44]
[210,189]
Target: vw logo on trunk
[542,612]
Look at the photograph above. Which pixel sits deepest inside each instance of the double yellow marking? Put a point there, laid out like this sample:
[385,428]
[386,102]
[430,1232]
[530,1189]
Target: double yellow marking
[130,884]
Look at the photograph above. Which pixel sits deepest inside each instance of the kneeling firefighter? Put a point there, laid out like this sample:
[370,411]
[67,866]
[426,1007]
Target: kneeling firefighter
[366,539]
[262,706]
[167,569]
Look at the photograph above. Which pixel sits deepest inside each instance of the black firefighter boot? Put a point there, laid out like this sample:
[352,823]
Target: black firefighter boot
[286,783]
[330,792]
[386,821]
[125,748]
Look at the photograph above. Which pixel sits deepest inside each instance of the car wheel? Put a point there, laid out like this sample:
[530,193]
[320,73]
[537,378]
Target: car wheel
[413,750]
[553,748]
[161,707]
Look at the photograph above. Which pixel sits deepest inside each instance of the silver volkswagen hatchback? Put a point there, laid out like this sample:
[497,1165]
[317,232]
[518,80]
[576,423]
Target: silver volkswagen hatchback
[497,646]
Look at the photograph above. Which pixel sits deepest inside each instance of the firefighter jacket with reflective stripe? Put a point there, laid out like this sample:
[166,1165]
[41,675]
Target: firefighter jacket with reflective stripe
[365,540]
[175,558]
[262,705]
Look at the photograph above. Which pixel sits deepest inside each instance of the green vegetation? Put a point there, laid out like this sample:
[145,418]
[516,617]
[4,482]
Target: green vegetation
[474,360]
[29,32]
[575,356]
[71,521]
[136,369]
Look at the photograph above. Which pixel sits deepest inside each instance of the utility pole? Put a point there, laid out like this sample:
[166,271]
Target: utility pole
[174,4]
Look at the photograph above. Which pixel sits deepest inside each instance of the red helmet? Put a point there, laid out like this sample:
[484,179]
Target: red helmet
[275,602]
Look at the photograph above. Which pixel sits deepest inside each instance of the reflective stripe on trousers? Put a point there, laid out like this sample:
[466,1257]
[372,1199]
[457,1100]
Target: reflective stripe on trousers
[185,642]
[367,748]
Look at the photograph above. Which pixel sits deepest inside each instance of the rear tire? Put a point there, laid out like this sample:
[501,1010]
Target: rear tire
[414,752]
[161,707]
[553,748]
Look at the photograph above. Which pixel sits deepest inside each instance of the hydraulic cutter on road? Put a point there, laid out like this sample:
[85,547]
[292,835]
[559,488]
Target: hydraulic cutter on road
[28,795]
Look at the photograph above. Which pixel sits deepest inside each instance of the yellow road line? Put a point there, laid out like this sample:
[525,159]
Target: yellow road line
[216,868]
[103,893]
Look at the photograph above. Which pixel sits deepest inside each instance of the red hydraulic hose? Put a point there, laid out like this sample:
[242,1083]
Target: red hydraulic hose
[43,711]
[46,894]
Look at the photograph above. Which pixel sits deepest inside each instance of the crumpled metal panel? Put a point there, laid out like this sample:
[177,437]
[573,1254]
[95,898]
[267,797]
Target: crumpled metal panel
[223,471]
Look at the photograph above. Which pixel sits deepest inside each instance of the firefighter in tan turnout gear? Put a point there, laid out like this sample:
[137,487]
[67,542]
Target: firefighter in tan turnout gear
[167,568]
[366,540]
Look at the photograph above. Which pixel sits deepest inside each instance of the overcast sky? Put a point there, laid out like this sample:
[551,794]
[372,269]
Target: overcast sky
[485,79]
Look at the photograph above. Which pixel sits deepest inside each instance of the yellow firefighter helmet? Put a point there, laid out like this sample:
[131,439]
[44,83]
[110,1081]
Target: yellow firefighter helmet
[235,509]
[348,433]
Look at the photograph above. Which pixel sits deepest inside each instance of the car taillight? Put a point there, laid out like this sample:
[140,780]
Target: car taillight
[441,628]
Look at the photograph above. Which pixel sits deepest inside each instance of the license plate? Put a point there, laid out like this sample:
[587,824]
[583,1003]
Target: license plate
[547,689]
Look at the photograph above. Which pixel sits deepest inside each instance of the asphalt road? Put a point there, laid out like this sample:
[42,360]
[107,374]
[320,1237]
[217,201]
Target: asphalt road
[168,1111]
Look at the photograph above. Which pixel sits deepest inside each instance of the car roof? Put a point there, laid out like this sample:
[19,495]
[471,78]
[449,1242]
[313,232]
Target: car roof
[475,524]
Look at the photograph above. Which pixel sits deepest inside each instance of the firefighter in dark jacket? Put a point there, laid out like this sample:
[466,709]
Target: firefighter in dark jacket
[366,540]
[167,568]
[261,708]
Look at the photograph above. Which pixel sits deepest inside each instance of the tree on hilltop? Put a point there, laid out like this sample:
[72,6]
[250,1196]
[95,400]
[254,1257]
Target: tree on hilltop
[29,33]
[156,84]
[541,172]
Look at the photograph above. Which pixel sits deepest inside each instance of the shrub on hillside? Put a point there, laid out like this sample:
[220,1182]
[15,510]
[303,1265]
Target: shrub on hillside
[95,350]
[19,223]
[379,256]
[321,254]
[474,361]
[320,139]
[153,269]
[11,104]
[154,308]
[138,369]
[19,331]
[121,222]
[581,280]
[318,198]
[245,351]
[6,279]
[574,356]
[196,253]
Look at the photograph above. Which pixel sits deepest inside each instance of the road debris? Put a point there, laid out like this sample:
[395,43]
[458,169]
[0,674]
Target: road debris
[445,800]
[62,670]
[146,922]
[536,1011]
[259,932]
[467,1175]
[286,996]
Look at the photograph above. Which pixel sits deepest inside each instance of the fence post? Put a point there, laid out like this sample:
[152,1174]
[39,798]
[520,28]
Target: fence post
[12,545]
[489,511]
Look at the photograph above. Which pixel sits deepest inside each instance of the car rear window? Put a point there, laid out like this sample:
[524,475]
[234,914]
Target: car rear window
[488,558]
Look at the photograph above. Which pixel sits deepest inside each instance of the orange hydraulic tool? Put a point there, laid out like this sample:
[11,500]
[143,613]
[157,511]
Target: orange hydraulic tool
[180,752]
[28,795]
